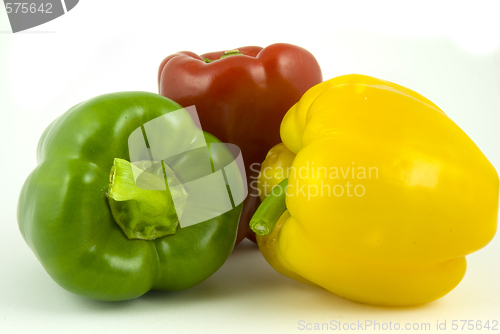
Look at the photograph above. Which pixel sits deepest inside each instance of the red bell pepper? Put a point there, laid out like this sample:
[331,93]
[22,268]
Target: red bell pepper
[241,97]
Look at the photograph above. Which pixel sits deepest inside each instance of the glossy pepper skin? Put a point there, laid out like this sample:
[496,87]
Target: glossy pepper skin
[65,217]
[402,242]
[241,99]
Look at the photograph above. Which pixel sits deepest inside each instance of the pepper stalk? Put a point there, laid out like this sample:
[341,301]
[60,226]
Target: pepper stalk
[147,212]
[271,209]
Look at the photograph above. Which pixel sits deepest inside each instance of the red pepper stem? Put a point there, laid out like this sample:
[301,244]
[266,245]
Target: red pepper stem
[228,53]
[268,213]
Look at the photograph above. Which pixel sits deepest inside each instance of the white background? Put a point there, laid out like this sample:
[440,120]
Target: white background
[447,51]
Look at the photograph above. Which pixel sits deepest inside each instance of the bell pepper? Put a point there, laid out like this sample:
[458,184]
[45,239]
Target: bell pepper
[377,195]
[241,97]
[97,231]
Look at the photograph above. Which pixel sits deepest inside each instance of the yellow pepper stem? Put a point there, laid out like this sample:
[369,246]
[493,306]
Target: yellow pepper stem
[268,213]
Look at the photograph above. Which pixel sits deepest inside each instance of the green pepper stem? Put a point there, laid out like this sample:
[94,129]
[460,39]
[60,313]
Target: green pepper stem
[228,53]
[268,213]
[147,212]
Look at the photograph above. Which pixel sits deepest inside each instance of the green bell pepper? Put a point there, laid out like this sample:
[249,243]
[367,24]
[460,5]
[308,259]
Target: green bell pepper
[102,236]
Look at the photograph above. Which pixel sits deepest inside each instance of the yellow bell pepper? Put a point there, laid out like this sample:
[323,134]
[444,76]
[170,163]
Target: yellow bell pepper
[381,197]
